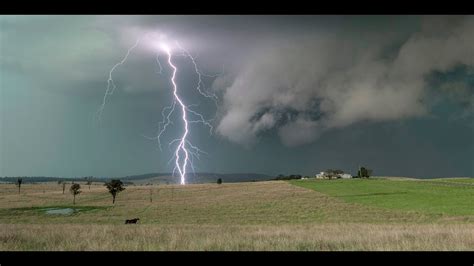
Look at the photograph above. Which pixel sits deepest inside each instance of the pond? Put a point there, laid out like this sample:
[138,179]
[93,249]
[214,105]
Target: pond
[60,211]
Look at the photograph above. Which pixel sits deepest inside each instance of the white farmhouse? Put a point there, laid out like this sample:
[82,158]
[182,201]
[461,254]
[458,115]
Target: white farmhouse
[321,175]
[346,176]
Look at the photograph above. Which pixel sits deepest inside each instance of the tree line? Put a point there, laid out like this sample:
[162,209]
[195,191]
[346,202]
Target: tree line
[114,186]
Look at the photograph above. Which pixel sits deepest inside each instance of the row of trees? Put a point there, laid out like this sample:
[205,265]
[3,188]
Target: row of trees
[114,187]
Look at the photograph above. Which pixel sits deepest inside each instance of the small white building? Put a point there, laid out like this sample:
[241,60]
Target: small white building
[321,175]
[345,176]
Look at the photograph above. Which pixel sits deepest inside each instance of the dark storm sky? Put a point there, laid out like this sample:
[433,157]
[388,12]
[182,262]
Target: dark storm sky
[297,94]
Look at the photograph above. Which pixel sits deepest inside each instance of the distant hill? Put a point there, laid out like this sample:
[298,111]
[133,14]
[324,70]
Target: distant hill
[152,178]
[41,179]
[196,178]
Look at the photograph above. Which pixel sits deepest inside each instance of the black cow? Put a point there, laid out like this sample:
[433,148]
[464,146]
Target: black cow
[132,221]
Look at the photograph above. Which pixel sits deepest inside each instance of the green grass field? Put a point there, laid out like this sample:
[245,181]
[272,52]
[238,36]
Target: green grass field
[374,214]
[454,197]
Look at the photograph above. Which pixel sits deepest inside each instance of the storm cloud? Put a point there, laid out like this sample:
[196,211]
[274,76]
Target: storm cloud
[307,85]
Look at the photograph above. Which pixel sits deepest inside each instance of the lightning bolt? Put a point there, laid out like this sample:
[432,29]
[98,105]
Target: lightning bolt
[110,82]
[200,75]
[182,144]
[185,151]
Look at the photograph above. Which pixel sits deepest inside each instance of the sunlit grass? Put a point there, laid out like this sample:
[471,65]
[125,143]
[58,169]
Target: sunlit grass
[436,196]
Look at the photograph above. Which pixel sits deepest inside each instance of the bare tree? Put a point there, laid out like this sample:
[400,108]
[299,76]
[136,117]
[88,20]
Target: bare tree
[18,183]
[75,189]
[64,187]
[89,181]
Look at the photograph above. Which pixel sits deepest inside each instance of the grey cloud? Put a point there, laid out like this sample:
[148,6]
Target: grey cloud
[351,77]
[273,64]
[63,53]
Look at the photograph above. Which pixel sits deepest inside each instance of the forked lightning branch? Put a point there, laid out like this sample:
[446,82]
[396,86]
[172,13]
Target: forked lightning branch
[184,151]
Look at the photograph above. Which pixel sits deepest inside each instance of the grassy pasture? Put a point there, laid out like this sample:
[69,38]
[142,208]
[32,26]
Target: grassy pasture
[436,197]
[276,215]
